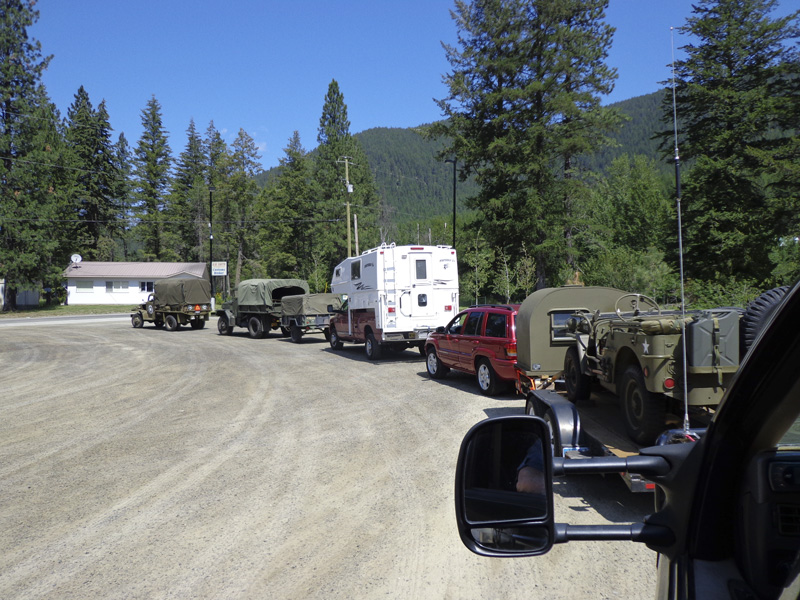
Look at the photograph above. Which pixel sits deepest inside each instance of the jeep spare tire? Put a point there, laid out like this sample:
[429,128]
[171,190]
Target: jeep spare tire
[756,316]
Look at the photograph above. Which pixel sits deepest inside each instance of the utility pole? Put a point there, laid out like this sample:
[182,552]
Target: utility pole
[346,160]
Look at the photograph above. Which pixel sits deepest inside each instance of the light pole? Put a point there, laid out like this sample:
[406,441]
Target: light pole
[211,190]
[454,160]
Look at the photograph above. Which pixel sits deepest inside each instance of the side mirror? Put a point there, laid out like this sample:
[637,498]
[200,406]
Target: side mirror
[504,488]
[440,329]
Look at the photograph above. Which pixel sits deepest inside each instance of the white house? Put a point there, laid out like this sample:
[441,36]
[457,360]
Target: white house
[122,282]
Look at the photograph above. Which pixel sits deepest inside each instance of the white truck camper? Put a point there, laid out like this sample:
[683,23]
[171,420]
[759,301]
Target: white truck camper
[395,296]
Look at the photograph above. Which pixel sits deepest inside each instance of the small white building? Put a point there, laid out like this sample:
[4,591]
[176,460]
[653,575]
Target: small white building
[122,282]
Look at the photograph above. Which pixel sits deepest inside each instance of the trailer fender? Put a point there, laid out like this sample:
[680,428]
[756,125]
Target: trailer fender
[565,414]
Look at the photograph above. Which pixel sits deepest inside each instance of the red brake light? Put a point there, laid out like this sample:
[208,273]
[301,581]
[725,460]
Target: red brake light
[448,308]
[391,309]
[511,350]
[669,383]
[197,307]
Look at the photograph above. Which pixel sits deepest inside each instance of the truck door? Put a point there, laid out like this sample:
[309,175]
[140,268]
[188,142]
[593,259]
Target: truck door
[418,302]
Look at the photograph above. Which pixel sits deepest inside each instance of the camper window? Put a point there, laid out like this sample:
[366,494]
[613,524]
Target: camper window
[558,326]
[422,269]
[355,269]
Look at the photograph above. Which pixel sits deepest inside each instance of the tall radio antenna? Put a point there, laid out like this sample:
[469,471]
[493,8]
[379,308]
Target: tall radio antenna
[680,240]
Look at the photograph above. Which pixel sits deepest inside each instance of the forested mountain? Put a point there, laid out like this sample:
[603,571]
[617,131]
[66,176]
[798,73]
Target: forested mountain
[415,185]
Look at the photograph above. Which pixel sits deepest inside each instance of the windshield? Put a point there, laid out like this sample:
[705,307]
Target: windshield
[791,437]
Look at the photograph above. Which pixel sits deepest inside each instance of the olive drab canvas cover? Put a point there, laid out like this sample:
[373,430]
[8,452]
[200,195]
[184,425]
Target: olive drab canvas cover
[182,291]
[310,304]
[267,292]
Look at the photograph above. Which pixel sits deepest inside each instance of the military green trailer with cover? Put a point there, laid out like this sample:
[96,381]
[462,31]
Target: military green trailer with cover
[257,306]
[308,313]
[175,302]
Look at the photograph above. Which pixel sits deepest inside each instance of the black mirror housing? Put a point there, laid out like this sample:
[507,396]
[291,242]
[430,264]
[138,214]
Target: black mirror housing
[504,488]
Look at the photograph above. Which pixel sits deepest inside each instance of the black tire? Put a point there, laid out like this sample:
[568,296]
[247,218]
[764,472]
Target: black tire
[333,339]
[255,327]
[197,323]
[327,333]
[296,334]
[756,316]
[285,331]
[223,326]
[644,412]
[435,367]
[486,378]
[372,348]
[555,433]
[579,386]
[421,349]
[171,323]
[158,324]
[137,320]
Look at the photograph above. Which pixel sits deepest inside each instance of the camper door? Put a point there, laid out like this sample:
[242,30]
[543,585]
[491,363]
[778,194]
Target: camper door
[419,301]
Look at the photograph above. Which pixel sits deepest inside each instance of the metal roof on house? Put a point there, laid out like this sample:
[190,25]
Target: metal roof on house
[135,270]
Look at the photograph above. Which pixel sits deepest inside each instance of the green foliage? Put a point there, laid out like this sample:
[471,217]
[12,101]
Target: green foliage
[523,103]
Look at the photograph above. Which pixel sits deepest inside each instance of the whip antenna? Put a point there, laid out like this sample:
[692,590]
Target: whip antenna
[680,240]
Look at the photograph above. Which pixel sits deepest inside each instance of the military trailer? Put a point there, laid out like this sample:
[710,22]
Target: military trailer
[175,302]
[308,313]
[257,306]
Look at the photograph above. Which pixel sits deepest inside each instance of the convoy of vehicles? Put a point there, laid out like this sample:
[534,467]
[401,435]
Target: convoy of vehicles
[726,506]
[257,306]
[480,340]
[396,296]
[175,302]
[308,313]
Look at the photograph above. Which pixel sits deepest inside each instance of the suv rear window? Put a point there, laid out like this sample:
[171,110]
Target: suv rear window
[496,325]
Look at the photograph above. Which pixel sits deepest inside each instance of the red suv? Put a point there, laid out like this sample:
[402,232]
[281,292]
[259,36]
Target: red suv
[482,340]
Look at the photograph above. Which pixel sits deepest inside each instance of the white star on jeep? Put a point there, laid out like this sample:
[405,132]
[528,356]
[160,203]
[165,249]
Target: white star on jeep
[646,346]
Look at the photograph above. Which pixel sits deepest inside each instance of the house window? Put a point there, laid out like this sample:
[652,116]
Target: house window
[146,286]
[84,286]
[116,286]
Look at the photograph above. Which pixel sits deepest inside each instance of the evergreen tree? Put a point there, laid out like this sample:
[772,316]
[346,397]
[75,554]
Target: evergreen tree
[27,131]
[152,172]
[125,201]
[523,102]
[187,217]
[96,178]
[737,99]
[340,161]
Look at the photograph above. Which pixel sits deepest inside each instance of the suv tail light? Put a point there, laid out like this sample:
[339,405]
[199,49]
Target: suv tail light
[511,350]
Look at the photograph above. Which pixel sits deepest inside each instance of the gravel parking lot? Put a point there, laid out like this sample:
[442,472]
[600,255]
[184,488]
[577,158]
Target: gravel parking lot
[138,463]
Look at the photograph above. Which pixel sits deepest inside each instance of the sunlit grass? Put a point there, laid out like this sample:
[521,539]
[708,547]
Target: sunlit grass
[66,311]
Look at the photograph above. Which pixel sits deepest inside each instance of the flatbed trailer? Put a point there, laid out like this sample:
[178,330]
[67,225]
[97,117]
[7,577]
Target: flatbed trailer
[593,428]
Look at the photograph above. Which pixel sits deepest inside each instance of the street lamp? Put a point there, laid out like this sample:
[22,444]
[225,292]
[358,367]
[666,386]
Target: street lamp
[211,190]
[455,162]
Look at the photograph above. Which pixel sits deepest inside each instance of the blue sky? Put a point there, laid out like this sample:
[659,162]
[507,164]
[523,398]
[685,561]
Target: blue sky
[265,66]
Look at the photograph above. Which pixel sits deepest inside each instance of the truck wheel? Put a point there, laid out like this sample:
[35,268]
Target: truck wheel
[296,333]
[372,347]
[223,326]
[435,367]
[555,433]
[487,378]
[171,322]
[579,386]
[255,328]
[334,340]
[756,315]
[285,332]
[137,320]
[645,412]
[158,323]
[327,333]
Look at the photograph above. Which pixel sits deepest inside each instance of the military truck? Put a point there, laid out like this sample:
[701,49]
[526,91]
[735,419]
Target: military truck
[257,306]
[175,302]
[308,313]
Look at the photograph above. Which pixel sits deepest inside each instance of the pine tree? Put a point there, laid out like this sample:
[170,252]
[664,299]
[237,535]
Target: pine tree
[28,131]
[736,96]
[96,178]
[152,172]
[187,218]
[343,176]
[523,103]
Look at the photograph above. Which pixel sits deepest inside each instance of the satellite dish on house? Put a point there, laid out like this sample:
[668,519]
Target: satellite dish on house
[76,258]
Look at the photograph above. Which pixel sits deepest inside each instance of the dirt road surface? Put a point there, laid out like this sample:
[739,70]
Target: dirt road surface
[137,463]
